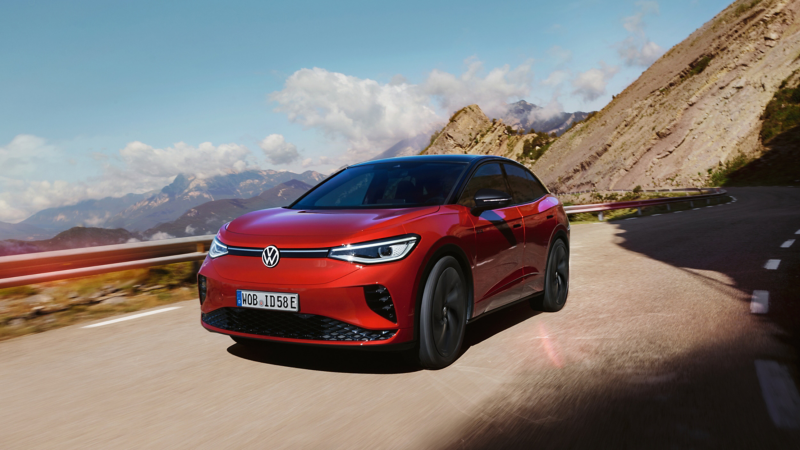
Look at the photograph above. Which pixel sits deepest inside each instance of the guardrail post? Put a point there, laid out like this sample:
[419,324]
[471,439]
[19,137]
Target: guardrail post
[600,216]
[638,211]
[668,207]
[691,204]
[708,201]
[196,264]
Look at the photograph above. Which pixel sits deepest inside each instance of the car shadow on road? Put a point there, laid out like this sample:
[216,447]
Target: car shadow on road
[371,361]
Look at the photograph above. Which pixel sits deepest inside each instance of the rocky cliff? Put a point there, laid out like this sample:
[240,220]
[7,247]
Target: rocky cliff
[469,131]
[698,107]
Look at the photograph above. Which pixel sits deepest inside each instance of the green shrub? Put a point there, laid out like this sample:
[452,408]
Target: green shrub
[781,114]
[700,66]
[720,176]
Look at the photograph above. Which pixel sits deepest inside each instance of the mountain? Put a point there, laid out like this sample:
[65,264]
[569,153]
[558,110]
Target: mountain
[77,237]
[22,231]
[210,216]
[695,111]
[87,213]
[470,131]
[406,147]
[527,115]
[186,192]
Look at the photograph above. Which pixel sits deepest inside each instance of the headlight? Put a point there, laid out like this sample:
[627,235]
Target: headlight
[217,249]
[384,250]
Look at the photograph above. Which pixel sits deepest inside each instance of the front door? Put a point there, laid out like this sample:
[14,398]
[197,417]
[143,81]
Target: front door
[499,242]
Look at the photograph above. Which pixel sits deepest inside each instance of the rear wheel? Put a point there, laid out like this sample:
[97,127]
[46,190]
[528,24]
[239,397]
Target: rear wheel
[443,315]
[556,282]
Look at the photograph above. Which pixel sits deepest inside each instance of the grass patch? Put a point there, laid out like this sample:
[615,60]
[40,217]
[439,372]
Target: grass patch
[744,7]
[45,306]
[700,66]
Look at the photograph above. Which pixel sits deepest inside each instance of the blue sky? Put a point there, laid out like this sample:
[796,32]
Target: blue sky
[104,98]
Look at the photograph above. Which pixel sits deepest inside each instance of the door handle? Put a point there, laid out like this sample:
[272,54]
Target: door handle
[550,216]
[517,225]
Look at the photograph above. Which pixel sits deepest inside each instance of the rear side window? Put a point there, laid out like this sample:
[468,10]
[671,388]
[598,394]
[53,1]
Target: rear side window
[525,187]
[488,176]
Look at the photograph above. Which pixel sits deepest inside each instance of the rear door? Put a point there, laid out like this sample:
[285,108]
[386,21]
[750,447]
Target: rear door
[539,221]
[499,242]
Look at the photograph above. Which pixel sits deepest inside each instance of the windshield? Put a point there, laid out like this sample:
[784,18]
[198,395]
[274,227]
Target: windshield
[386,185]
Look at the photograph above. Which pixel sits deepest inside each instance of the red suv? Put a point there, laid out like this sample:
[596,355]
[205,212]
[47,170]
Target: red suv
[396,253]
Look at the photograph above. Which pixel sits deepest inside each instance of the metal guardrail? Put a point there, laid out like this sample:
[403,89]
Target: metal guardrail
[600,207]
[700,190]
[31,268]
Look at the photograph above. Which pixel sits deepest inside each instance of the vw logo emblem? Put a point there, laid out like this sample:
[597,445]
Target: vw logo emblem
[271,256]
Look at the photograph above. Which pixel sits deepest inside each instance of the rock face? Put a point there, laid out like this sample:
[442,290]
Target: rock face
[469,131]
[698,106]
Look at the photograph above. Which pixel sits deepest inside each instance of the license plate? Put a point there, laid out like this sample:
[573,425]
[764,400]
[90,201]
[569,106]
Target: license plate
[279,301]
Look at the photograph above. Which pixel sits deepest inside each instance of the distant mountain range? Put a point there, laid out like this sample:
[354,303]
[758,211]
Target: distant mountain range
[140,212]
[527,115]
[77,237]
[205,218]
[210,216]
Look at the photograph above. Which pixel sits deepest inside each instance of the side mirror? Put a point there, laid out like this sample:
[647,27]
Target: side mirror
[491,199]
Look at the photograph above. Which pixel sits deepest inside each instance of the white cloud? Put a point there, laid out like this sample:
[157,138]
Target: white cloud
[491,92]
[555,78]
[24,155]
[204,160]
[369,116]
[590,85]
[143,168]
[279,151]
[161,235]
[635,53]
[548,111]
[637,49]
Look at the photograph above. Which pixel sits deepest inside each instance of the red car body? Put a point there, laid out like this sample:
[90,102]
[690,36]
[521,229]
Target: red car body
[503,254]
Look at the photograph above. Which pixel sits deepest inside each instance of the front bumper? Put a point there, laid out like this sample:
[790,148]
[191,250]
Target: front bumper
[331,313]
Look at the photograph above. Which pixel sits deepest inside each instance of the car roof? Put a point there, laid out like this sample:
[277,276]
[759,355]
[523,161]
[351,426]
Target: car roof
[436,158]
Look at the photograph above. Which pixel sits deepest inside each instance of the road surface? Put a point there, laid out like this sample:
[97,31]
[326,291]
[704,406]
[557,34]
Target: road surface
[657,347]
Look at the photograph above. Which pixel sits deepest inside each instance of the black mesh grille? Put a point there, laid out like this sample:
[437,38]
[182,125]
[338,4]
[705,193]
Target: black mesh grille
[290,325]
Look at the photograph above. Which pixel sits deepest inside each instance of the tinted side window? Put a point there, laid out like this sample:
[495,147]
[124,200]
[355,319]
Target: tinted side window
[541,191]
[525,189]
[488,176]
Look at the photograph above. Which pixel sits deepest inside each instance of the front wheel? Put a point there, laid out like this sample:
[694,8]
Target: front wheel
[442,315]
[556,282]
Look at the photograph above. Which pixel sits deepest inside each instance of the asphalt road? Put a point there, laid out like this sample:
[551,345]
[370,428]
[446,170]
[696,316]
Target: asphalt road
[656,348]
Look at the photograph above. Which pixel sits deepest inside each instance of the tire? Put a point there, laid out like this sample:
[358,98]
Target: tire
[442,315]
[556,281]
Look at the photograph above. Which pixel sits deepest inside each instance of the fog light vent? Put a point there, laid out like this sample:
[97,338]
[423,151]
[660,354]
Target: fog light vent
[379,300]
[202,287]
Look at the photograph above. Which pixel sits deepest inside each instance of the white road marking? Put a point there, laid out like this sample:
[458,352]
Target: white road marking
[631,218]
[797,232]
[772,264]
[759,302]
[655,215]
[695,209]
[135,316]
[780,393]
[787,244]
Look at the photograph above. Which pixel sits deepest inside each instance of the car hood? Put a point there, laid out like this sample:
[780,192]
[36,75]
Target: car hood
[318,226]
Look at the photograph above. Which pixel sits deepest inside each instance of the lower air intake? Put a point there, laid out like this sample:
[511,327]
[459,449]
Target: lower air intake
[290,325]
